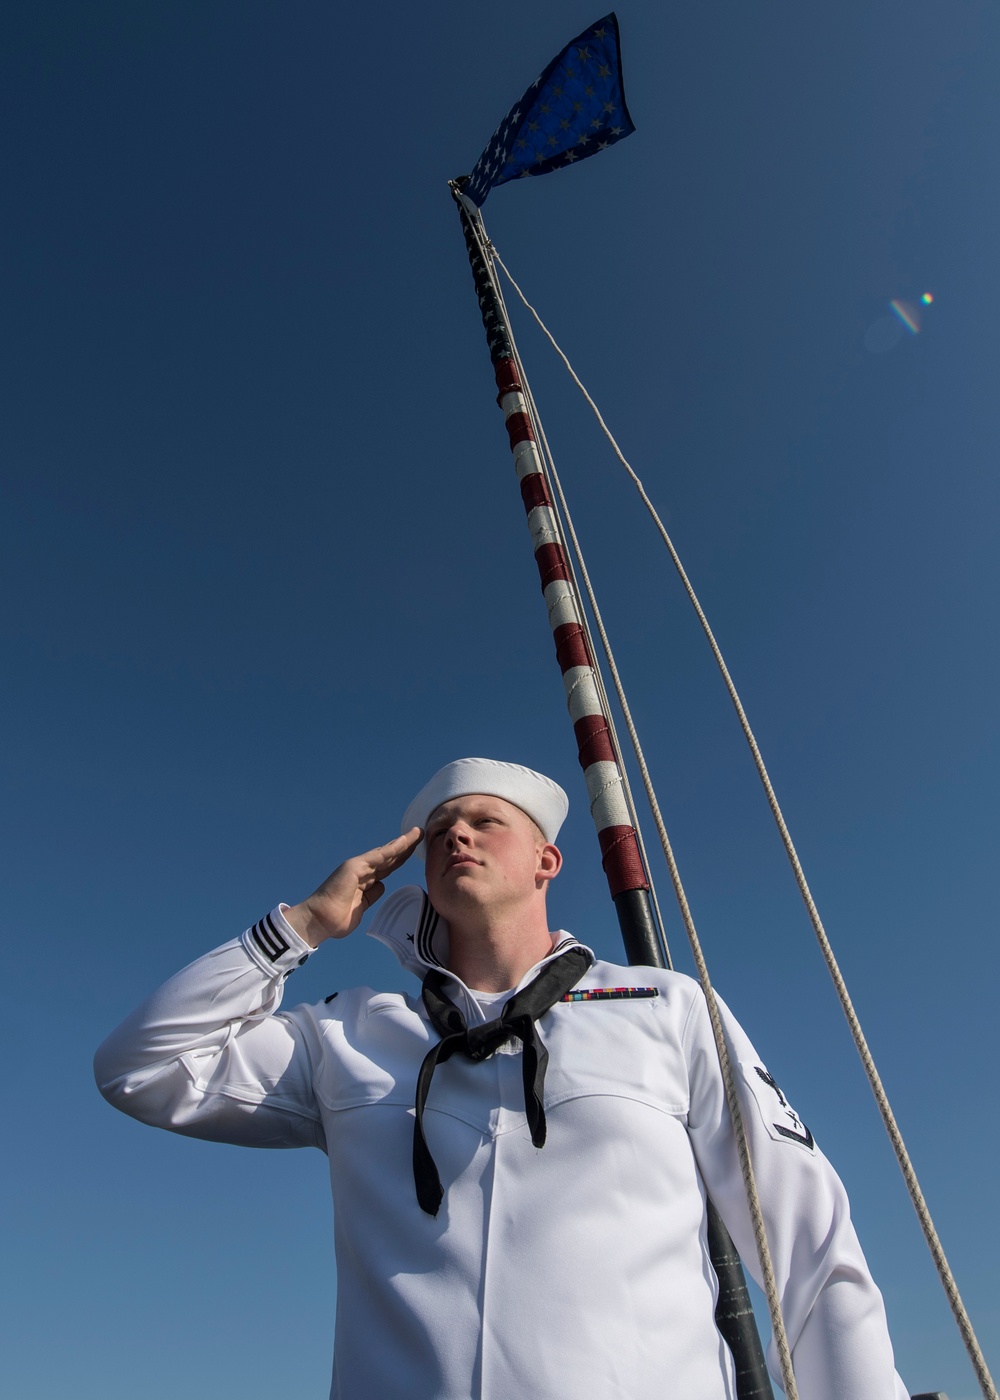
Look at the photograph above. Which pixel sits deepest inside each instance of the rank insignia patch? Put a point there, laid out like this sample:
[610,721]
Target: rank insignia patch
[783,1124]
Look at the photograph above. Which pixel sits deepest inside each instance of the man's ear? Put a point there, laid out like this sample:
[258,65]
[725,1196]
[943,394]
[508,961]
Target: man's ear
[549,861]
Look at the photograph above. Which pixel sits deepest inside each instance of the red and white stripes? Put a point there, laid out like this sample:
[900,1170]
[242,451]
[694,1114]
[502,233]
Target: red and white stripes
[601,766]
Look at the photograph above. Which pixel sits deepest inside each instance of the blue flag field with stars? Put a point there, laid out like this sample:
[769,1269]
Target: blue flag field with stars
[573,110]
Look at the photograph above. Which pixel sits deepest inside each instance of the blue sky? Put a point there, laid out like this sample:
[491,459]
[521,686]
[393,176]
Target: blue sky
[266,569]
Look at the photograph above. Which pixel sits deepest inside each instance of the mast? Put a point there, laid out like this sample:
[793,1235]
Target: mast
[621,857]
[599,759]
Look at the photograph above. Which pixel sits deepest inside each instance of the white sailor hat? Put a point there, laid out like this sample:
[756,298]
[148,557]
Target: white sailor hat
[543,800]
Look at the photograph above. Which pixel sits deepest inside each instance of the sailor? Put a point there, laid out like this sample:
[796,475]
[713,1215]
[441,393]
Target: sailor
[520,1149]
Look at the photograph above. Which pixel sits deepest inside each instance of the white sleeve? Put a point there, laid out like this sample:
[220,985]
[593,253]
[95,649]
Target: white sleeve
[207,1056]
[834,1315]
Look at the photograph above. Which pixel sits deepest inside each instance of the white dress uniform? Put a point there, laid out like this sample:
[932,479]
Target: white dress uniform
[580,1269]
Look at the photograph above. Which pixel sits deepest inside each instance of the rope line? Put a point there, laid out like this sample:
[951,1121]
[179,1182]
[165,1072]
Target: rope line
[732,1098]
[942,1266]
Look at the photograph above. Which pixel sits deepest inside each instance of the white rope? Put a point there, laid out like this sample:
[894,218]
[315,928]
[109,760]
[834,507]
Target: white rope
[888,1117]
[732,1098]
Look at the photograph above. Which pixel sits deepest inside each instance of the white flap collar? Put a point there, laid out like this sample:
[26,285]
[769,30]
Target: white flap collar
[408,923]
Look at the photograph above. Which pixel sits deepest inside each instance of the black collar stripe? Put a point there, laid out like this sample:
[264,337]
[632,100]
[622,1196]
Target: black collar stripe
[426,929]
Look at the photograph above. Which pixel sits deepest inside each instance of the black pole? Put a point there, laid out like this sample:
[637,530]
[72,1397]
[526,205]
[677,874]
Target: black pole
[734,1315]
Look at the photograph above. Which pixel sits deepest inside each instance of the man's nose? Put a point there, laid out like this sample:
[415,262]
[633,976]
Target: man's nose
[456,835]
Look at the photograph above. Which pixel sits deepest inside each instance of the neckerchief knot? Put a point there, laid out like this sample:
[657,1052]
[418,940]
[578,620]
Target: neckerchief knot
[516,1020]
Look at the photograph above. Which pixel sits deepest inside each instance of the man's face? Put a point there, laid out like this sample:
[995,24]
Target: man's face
[484,852]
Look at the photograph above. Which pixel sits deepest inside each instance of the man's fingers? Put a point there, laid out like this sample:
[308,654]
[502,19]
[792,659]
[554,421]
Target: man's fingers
[384,859]
[335,909]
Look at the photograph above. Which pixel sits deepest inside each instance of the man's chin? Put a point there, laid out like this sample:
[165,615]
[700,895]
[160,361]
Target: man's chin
[455,892]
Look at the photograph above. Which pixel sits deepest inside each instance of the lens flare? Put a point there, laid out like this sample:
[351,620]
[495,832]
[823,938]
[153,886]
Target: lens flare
[908,313]
[888,331]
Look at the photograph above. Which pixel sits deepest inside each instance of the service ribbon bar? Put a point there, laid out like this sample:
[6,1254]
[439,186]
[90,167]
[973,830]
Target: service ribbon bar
[610,993]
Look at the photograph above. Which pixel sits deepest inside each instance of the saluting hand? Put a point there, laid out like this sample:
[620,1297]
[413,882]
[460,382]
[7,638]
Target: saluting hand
[336,908]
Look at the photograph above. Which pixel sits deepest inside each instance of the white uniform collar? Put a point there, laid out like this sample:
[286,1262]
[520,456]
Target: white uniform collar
[408,923]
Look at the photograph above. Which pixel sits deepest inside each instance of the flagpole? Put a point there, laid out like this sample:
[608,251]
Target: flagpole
[599,759]
[601,763]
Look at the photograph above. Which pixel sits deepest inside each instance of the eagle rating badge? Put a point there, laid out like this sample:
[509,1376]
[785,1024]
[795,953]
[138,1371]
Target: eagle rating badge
[783,1124]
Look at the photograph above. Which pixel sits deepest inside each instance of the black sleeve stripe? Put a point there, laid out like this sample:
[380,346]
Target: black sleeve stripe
[268,939]
[280,942]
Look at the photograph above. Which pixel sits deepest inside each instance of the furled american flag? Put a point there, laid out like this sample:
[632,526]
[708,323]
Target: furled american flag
[573,110]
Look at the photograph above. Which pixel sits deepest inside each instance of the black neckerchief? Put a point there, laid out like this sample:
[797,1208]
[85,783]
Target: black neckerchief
[518,1019]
